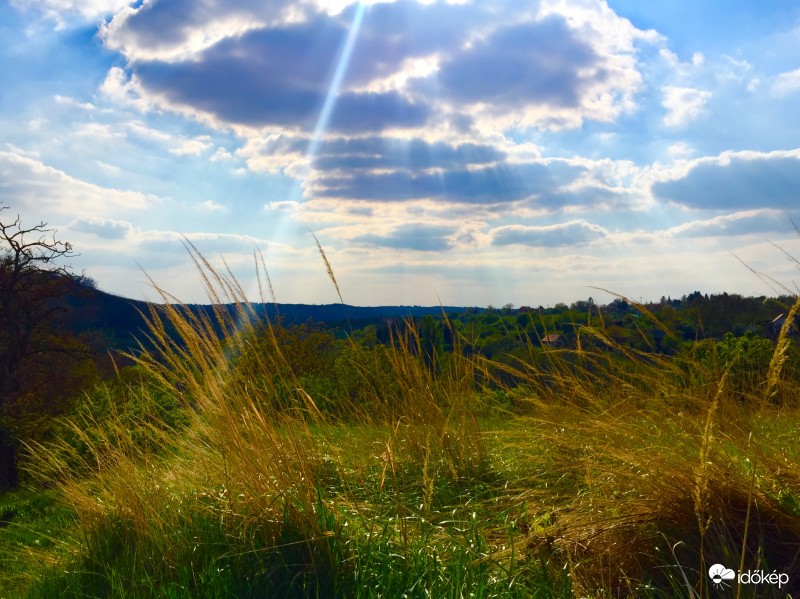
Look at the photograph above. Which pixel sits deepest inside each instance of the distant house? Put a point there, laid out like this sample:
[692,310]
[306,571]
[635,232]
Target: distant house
[553,340]
[776,324]
[774,327]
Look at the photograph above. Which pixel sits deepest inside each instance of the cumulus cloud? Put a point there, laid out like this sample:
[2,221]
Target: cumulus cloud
[123,88]
[683,104]
[68,101]
[739,223]
[178,29]
[29,185]
[680,149]
[212,206]
[505,182]
[245,91]
[736,180]
[423,95]
[787,83]
[282,206]
[102,227]
[411,236]
[540,63]
[220,155]
[578,232]
[62,11]
[373,153]
[192,147]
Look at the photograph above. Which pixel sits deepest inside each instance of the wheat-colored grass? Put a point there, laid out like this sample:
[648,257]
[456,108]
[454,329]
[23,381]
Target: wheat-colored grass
[613,467]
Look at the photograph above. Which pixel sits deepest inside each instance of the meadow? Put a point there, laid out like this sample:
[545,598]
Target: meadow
[241,465]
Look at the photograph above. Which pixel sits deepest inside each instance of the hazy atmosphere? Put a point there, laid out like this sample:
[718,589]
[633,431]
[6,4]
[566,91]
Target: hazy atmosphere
[471,153]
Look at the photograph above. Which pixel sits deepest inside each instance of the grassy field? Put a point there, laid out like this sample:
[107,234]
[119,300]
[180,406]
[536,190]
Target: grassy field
[220,473]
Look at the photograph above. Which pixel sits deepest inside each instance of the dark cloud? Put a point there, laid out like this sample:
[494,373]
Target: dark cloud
[389,34]
[738,183]
[162,24]
[488,185]
[358,112]
[392,153]
[420,237]
[539,63]
[394,32]
[572,233]
[277,77]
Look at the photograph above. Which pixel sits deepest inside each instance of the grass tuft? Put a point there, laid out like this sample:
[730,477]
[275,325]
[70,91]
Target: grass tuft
[234,465]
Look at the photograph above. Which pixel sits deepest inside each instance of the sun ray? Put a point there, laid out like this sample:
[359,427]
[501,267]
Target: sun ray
[336,82]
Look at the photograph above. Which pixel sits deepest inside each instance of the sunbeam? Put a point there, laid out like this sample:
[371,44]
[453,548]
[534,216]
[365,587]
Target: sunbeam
[336,83]
[328,105]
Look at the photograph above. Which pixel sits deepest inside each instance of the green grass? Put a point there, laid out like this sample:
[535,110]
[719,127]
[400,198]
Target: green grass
[33,529]
[606,473]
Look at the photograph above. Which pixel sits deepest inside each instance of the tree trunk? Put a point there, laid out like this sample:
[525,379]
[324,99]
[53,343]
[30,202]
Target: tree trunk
[9,471]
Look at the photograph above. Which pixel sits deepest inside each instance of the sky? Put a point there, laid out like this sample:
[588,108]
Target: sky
[471,153]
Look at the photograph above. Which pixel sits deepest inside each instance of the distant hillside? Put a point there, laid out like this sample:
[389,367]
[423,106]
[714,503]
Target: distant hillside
[114,322]
[107,321]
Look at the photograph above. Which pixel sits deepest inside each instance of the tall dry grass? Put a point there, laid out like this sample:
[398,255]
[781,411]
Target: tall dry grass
[643,481]
[256,455]
[614,473]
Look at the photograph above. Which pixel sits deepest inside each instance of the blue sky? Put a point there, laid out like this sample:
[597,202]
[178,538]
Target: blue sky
[471,153]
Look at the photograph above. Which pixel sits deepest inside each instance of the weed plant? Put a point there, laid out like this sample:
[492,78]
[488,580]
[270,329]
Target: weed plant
[601,472]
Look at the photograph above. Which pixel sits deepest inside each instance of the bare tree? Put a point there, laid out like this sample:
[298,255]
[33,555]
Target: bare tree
[30,281]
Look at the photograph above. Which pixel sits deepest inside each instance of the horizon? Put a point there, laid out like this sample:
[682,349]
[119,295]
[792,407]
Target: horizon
[634,302]
[454,153]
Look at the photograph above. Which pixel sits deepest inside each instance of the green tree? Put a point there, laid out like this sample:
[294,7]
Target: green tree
[431,339]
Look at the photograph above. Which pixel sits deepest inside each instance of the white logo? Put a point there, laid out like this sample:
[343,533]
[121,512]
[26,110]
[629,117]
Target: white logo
[719,574]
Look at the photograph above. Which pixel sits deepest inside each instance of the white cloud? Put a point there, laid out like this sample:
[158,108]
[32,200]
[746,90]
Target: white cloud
[573,233]
[125,90]
[282,206]
[34,188]
[105,228]
[212,206]
[732,70]
[140,129]
[37,124]
[98,131]
[192,147]
[787,83]
[747,222]
[68,101]
[108,168]
[64,11]
[683,104]
[680,149]
[221,154]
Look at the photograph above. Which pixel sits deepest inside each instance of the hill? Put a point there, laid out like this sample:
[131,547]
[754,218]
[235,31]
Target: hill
[115,322]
